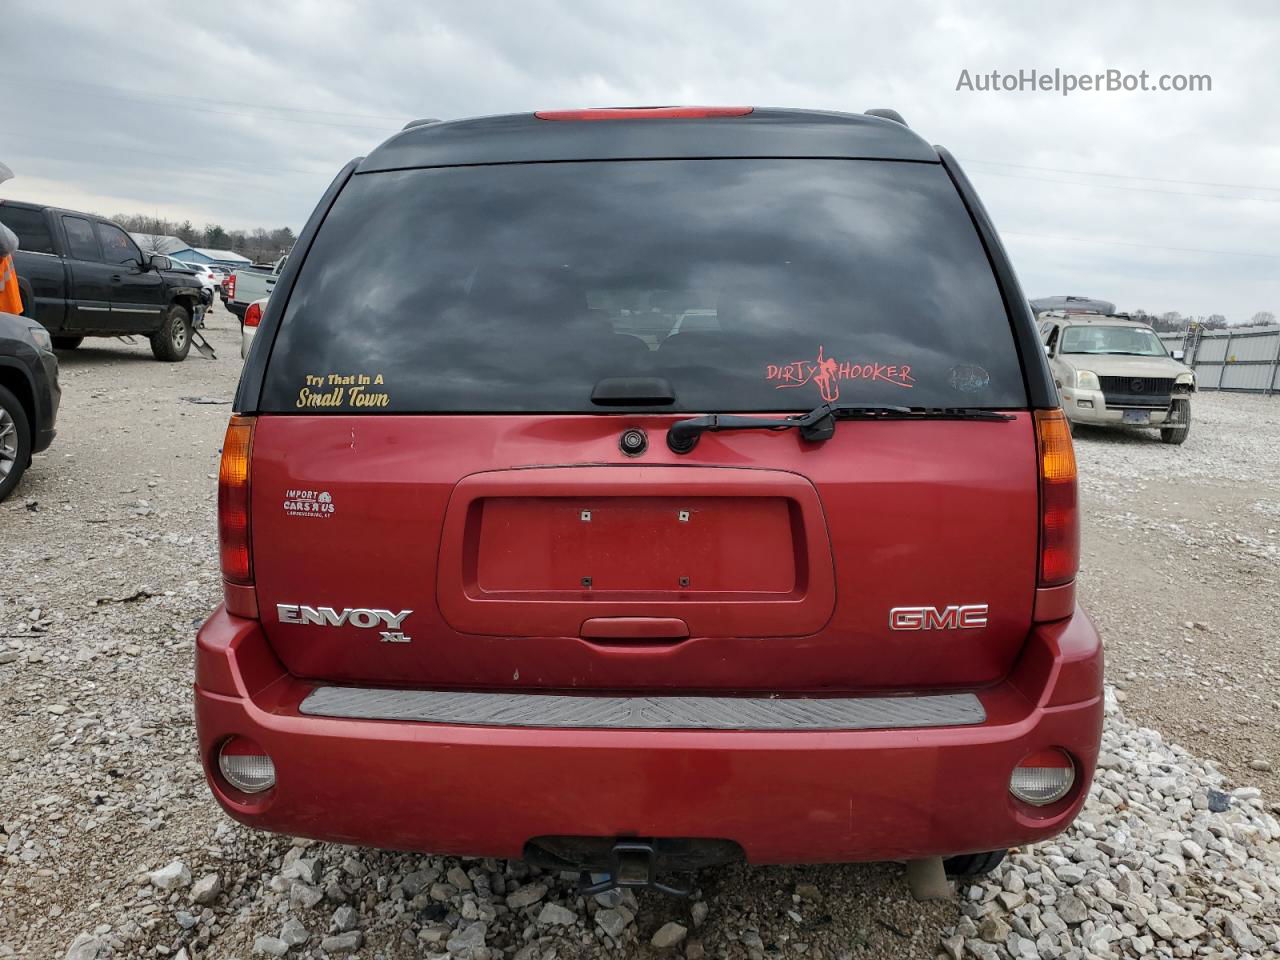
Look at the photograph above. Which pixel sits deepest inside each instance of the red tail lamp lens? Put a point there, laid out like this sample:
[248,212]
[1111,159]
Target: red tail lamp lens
[253,316]
[1059,512]
[233,502]
[1043,777]
[643,113]
[246,766]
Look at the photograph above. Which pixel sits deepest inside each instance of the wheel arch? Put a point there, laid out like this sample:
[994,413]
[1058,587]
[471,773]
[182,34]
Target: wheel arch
[15,378]
[28,298]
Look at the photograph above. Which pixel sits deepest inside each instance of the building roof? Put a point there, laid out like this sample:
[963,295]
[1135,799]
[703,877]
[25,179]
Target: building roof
[764,132]
[160,243]
[228,256]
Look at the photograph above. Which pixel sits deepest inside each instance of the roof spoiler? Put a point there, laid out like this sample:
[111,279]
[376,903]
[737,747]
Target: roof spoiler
[885,113]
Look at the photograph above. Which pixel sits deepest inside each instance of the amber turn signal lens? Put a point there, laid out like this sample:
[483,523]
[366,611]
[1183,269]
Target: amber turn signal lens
[1059,510]
[233,502]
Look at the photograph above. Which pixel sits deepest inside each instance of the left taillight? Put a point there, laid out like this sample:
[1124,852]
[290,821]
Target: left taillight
[1059,510]
[233,518]
[253,316]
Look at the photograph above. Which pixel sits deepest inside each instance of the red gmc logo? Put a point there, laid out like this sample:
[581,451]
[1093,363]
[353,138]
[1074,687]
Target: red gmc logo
[959,616]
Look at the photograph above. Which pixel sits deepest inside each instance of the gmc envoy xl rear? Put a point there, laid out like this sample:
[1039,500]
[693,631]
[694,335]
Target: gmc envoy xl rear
[695,473]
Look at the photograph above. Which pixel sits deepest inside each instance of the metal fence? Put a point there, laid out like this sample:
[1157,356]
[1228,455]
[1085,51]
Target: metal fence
[1245,360]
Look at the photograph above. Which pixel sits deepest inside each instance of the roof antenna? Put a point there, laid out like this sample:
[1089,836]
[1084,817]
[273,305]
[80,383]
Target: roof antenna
[420,123]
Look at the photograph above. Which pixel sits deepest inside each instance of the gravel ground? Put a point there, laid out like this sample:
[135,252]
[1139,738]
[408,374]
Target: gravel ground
[113,848]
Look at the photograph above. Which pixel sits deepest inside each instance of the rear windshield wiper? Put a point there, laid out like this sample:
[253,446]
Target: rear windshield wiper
[818,424]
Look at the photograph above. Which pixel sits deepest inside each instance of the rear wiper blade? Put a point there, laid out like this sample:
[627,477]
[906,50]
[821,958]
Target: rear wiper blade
[818,424]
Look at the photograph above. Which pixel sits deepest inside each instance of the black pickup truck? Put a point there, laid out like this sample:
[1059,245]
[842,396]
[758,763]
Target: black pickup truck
[83,276]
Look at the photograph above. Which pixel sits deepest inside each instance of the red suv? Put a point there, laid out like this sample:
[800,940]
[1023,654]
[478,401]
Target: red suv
[695,472]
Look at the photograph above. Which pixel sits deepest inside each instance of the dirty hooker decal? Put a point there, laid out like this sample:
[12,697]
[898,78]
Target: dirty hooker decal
[827,372]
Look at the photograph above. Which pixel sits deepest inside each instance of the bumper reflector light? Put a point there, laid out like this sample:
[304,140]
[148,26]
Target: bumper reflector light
[246,766]
[1043,777]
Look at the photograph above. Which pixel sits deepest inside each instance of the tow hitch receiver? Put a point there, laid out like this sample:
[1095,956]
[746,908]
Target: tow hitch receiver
[607,863]
[632,863]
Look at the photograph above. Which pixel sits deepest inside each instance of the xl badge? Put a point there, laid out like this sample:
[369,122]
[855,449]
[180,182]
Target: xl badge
[362,617]
[957,616]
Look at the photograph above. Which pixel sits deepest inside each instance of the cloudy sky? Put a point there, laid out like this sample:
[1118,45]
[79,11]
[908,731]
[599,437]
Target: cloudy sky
[241,113]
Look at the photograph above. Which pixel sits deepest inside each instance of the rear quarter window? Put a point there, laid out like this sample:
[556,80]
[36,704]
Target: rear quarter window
[31,227]
[748,284]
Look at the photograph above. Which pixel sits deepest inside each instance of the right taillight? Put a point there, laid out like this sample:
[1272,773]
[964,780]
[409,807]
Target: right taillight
[1059,512]
[233,518]
[253,316]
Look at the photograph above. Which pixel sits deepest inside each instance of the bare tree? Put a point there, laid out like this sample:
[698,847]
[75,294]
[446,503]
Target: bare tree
[149,242]
[260,245]
[1262,317]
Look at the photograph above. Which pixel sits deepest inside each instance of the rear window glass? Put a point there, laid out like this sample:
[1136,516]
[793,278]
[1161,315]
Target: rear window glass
[747,284]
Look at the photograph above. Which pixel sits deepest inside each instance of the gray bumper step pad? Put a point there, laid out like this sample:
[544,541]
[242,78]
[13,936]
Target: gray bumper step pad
[640,713]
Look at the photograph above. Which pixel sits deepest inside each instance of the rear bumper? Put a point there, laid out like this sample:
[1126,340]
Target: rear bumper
[48,397]
[784,797]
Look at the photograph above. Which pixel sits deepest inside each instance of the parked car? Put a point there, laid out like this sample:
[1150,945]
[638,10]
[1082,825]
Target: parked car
[83,276]
[1113,371]
[209,277]
[222,273]
[797,585]
[29,396]
[245,286]
[249,324]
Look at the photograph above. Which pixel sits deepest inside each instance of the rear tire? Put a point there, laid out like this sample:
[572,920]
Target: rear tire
[971,865]
[66,343]
[15,442]
[172,342]
[1180,415]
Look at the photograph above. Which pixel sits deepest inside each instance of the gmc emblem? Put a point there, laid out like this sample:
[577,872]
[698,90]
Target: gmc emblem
[958,616]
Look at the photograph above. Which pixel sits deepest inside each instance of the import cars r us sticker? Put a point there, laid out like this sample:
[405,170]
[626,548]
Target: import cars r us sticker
[308,503]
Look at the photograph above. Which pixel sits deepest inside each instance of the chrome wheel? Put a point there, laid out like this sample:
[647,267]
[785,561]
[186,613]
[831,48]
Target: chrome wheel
[178,331]
[8,443]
